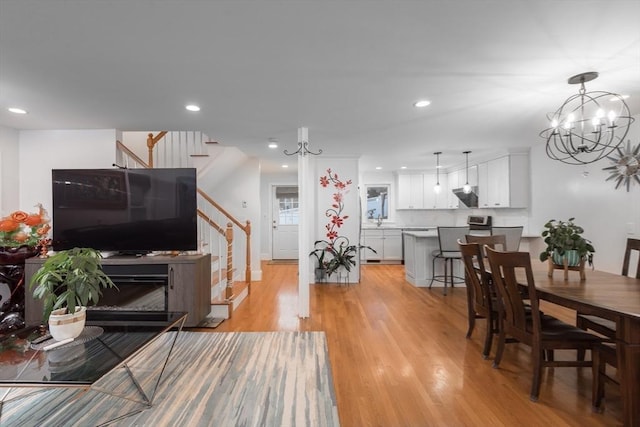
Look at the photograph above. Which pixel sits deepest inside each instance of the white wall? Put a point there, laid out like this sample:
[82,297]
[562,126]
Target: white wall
[239,194]
[9,172]
[43,150]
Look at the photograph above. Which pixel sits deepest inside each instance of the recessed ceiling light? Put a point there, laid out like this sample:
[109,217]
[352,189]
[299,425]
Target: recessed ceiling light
[378,167]
[285,166]
[421,103]
[192,107]
[17,110]
[272,145]
[403,167]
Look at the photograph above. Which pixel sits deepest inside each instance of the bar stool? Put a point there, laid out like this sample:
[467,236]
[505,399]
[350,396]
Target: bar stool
[449,251]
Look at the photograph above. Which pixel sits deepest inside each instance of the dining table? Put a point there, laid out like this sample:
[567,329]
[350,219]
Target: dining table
[610,296]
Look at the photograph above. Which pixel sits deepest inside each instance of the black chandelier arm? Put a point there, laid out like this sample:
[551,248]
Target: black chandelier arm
[303,150]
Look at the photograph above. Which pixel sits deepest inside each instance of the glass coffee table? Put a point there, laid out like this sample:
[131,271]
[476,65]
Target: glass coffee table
[110,341]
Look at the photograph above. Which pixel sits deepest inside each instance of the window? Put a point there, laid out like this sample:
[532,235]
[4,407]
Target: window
[377,202]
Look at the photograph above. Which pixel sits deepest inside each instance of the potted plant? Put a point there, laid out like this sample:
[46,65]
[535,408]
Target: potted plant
[342,255]
[67,281]
[321,263]
[565,244]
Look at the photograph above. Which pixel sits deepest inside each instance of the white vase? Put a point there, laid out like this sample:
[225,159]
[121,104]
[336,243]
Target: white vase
[63,325]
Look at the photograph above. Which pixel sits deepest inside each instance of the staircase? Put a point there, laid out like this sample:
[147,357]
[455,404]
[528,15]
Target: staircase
[219,233]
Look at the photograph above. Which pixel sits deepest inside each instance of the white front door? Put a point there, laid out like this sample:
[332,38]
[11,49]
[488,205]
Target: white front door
[285,222]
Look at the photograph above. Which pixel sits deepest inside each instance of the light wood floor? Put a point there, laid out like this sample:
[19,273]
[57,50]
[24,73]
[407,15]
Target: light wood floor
[400,358]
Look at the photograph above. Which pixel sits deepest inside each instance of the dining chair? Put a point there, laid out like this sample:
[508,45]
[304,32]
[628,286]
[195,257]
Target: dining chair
[512,234]
[543,333]
[602,326]
[481,299]
[489,240]
[448,251]
[603,354]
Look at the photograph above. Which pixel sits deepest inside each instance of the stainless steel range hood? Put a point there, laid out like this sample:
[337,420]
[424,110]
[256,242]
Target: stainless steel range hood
[470,200]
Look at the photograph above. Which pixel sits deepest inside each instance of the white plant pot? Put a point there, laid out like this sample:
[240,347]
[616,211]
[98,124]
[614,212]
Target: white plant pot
[63,325]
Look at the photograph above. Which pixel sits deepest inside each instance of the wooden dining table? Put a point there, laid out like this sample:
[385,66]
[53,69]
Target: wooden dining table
[611,296]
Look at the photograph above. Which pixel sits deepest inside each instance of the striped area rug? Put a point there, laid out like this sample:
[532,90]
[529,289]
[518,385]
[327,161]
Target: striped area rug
[213,379]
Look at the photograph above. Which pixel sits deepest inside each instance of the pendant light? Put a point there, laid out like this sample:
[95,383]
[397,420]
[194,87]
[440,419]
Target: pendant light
[437,188]
[467,188]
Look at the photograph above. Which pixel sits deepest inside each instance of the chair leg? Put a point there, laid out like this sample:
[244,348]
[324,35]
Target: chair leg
[598,370]
[537,355]
[444,289]
[433,271]
[488,339]
[501,341]
[471,313]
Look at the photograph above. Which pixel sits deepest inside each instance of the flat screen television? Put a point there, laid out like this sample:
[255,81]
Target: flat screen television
[132,211]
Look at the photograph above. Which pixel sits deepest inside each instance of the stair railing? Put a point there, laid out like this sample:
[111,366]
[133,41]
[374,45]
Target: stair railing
[178,146]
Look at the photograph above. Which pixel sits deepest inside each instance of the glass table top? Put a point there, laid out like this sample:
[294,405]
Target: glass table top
[114,337]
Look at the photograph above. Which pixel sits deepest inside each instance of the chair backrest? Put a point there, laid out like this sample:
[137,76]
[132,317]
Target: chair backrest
[506,269]
[448,238]
[512,234]
[477,277]
[632,245]
[491,241]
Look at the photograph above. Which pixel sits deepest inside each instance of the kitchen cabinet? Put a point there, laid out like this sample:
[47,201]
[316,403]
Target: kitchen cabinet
[410,191]
[387,242]
[504,182]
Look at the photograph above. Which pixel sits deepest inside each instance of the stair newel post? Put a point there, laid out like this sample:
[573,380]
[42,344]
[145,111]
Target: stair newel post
[151,143]
[247,272]
[228,293]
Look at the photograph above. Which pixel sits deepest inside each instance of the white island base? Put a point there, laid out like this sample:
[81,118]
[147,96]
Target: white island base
[418,246]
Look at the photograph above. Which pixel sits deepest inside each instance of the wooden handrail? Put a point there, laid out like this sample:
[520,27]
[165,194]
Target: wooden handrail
[222,210]
[121,146]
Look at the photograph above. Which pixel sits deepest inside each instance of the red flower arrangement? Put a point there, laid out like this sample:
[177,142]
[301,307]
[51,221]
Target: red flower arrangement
[24,229]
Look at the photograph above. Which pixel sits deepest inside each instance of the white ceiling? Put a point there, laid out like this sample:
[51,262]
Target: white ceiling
[348,70]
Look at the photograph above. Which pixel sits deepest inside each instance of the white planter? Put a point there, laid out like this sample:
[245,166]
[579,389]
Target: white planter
[63,326]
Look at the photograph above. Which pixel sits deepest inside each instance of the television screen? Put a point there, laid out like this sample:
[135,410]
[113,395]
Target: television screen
[125,210]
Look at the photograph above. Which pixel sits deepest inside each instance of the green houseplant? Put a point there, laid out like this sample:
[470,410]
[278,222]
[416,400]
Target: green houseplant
[67,282]
[342,255]
[564,240]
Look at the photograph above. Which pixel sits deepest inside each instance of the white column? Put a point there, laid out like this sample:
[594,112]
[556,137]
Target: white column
[305,225]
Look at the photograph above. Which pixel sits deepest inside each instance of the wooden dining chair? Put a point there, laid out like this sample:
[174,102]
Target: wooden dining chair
[481,299]
[602,326]
[496,241]
[603,354]
[543,333]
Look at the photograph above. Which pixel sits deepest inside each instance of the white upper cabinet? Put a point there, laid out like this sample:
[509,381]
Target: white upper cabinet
[410,191]
[433,200]
[504,182]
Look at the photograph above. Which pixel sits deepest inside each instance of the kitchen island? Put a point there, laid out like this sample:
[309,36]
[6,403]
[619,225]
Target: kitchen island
[418,246]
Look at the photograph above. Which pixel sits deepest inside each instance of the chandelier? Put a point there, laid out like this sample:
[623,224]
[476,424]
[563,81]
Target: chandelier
[588,126]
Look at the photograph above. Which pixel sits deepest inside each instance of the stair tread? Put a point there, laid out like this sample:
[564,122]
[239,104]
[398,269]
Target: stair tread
[238,287]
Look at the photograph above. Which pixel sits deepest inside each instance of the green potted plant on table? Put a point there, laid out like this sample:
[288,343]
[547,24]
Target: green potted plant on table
[566,247]
[67,282]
